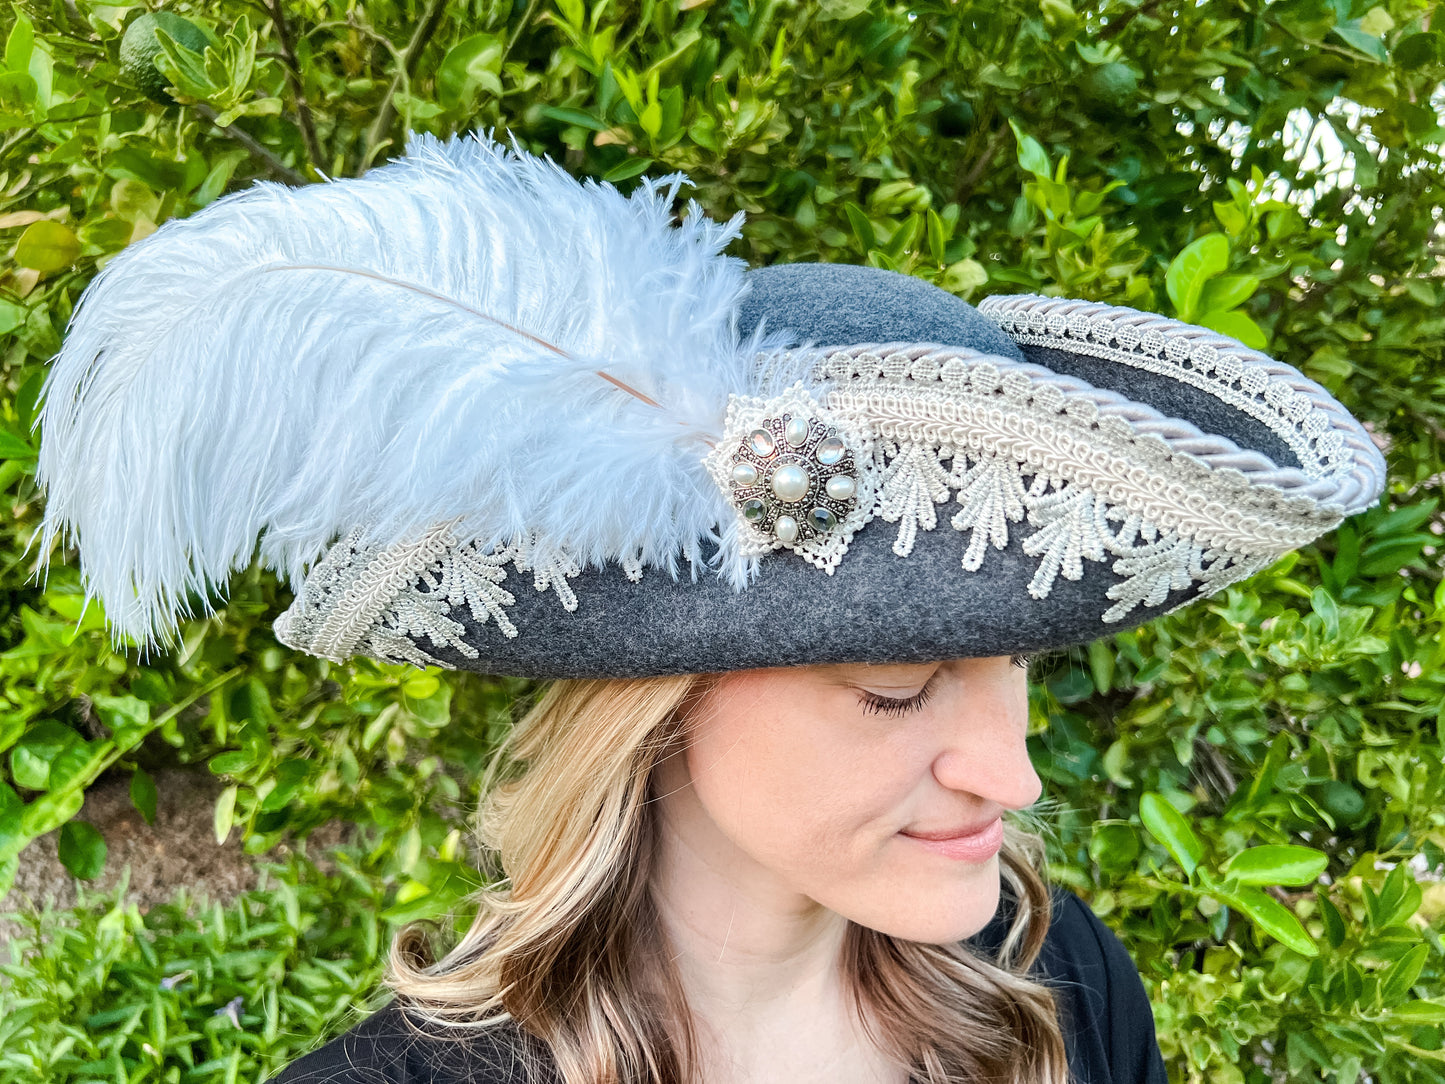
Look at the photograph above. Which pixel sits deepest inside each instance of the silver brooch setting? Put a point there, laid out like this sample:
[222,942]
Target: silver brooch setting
[797,478]
[794,478]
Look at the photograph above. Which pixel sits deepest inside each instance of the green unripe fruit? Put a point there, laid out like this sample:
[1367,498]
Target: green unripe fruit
[1115,83]
[140,47]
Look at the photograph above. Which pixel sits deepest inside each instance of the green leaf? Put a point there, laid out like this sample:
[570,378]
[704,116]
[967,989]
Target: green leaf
[76,764]
[20,44]
[32,756]
[1231,217]
[1114,846]
[1101,665]
[50,811]
[82,849]
[1237,326]
[862,227]
[1274,918]
[1227,292]
[963,277]
[27,398]
[574,116]
[1403,974]
[215,182]
[12,316]
[1419,1012]
[13,445]
[1324,606]
[11,808]
[289,776]
[627,169]
[937,238]
[237,760]
[1417,50]
[47,246]
[1191,269]
[143,794]
[1167,825]
[1031,153]
[128,717]
[472,64]
[1277,864]
[1358,39]
[1333,921]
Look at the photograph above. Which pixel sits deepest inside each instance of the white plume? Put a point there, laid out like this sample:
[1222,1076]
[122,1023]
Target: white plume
[441,338]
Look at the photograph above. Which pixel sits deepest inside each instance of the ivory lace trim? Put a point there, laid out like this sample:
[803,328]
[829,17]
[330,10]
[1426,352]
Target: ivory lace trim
[1084,474]
[447,580]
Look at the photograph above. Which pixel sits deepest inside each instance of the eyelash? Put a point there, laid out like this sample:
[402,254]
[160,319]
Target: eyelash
[873,704]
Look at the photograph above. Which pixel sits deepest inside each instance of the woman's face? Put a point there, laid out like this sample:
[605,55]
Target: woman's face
[873,791]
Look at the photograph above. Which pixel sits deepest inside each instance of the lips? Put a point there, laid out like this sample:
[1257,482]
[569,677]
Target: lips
[977,828]
[972,843]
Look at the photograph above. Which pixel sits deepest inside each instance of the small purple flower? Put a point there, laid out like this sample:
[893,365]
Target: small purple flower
[232,1009]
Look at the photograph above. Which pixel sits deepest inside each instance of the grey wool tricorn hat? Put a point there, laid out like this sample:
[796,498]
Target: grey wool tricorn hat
[629,456]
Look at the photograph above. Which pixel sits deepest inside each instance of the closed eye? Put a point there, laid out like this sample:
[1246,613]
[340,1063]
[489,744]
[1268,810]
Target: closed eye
[873,704]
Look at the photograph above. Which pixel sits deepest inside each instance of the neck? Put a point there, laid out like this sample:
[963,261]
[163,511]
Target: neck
[740,943]
[759,963]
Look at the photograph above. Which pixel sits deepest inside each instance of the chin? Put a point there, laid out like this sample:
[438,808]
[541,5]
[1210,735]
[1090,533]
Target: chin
[938,913]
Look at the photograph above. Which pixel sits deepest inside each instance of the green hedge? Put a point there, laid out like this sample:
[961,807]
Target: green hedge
[192,990]
[1249,791]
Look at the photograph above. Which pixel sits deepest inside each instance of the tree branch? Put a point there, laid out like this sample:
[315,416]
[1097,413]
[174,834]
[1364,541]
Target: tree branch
[260,150]
[1129,16]
[409,59]
[964,192]
[293,76]
[532,6]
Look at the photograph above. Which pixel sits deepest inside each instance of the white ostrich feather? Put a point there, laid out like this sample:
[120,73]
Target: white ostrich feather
[446,338]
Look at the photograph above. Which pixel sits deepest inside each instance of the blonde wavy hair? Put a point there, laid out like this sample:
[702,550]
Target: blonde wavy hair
[569,946]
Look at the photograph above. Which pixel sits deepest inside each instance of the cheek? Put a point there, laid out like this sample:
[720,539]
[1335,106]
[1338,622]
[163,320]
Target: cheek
[796,798]
[818,808]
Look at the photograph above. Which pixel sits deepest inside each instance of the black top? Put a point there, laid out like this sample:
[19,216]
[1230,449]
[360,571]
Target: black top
[1107,1021]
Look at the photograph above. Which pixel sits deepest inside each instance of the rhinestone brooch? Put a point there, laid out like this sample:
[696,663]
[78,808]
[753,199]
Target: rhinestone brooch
[793,478]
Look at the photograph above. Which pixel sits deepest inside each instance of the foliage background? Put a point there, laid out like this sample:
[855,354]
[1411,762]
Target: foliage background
[1272,170]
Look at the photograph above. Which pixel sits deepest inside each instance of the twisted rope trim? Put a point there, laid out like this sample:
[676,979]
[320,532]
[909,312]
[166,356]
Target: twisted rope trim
[1164,469]
[1325,438]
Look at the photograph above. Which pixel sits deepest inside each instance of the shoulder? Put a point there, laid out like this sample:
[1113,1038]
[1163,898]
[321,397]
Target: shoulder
[1104,1009]
[1103,1002]
[391,1047]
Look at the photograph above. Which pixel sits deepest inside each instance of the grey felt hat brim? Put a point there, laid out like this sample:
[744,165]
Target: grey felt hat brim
[841,304]
[877,606]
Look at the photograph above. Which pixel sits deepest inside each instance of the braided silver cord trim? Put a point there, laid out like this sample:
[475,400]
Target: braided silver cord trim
[949,400]
[1324,437]
[1099,477]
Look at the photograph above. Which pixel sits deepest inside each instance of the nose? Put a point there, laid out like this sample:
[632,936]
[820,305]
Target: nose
[986,754]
